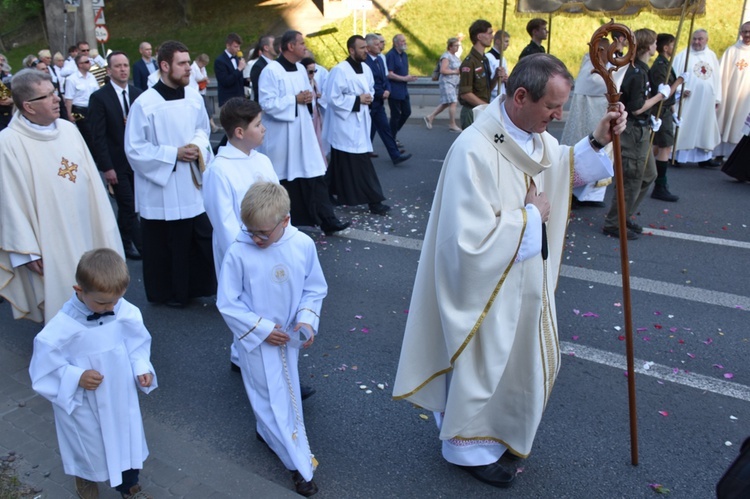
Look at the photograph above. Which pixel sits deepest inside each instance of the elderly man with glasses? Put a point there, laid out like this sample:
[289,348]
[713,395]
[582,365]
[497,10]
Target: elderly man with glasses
[53,206]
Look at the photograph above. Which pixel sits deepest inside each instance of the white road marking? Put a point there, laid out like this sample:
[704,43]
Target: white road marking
[692,380]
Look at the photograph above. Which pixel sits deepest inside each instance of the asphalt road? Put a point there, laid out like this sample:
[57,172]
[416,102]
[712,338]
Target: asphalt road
[690,311]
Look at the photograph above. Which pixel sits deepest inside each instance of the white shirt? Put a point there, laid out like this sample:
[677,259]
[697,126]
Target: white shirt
[79,88]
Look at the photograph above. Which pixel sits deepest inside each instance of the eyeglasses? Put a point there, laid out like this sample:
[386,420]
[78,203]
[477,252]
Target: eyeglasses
[84,50]
[312,71]
[84,62]
[263,235]
[48,96]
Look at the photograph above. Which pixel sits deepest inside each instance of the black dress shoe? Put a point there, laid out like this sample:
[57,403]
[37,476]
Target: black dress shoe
[379,209]
[709,163]
[306,391]
[634,227]
[401,159]
[494,474]
[334,226]
[131,252]
[303,487]
[615,232]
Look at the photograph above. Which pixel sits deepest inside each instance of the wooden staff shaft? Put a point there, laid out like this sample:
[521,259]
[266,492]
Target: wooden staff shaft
[596,53]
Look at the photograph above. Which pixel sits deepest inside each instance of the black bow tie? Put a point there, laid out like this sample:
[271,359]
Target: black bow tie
[96,316]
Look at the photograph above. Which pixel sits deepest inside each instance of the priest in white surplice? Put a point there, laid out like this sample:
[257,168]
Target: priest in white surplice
[735,84]
[699,133]
[166,138]
[286,96]
[481,348]
[349,92]
[53,205]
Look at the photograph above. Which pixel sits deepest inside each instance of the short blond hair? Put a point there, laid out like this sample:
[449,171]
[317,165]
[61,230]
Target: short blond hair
[102,271]
[264,202]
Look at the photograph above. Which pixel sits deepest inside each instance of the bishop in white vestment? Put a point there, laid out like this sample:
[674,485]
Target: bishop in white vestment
[481,345]
[699,133]
[735,84]
[53,205]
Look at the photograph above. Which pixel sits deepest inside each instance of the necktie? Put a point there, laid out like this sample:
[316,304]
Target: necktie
[488,72]
[96,316]
[125,102]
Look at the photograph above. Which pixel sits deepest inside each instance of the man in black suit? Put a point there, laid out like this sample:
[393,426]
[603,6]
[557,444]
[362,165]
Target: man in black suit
[228,70]
[265,53]
[144,66]
[108,111]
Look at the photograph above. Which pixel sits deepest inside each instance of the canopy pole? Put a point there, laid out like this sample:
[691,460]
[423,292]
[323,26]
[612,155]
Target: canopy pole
[682,93]
[599,59]
[669,69]
[549,33]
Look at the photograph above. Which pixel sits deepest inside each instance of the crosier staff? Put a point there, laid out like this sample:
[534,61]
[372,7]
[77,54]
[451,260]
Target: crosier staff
[599,58]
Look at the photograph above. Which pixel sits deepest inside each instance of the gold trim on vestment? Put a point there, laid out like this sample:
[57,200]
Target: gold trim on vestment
[497,440]
[252,328]
[309,310]
[479,322]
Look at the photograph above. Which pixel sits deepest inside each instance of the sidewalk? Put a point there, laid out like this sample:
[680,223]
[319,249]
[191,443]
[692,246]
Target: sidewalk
[175,468]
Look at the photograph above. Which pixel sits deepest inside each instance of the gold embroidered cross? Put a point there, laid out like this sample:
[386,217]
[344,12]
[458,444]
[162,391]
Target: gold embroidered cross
[742,64]
[68,170]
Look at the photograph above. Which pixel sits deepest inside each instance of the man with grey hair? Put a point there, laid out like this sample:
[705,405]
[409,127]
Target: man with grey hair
[398,73]
[480,348]
[702,96]
[51,215]
[382,88]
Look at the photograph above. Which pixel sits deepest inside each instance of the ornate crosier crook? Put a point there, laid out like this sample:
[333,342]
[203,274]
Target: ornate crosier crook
[599,58]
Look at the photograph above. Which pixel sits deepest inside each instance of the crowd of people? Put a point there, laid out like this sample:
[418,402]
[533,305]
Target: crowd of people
[224,222]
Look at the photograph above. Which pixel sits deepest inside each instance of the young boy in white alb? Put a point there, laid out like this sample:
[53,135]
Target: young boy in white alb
[89,361]
[271,290]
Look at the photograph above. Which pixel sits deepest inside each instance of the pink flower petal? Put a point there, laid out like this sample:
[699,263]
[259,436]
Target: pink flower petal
[664,413]
[691,355]
[641,329]
[728,375]
[708,341]
[357,316]
[672,329]
[365,330]
[576,311]
[718,366]
[618,304]
[575,338]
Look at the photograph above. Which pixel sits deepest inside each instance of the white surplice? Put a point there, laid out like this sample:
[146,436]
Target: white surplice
[345,129]
[735,106]
[100,432]
[53,205]
[259,288]
[156,128]
[225,183]
[481,342]
[699,133]
[290,142]
[588,103]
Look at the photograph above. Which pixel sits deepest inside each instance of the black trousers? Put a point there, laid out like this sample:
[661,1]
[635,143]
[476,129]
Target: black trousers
[311,203]
[178,262]
[127,220]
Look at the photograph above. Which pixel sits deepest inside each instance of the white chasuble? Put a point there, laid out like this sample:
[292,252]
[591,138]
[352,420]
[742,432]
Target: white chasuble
[481,342]
[735,106]
[100,432]
[259,288]
[345,129]
[225,183]
[53,205]
[290,142]
[700,129]
[156,128]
